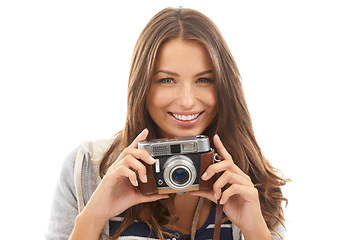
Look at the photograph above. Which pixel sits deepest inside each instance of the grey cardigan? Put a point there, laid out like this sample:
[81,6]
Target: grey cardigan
[78,179]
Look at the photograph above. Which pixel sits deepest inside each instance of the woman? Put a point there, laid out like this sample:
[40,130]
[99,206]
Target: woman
[183,82]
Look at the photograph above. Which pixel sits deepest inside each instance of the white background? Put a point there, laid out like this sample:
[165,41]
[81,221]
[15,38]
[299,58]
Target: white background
[64,67]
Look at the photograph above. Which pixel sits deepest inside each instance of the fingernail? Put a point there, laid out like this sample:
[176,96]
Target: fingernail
[136,183]
[152,159]
[204,176]
[145,178]
[221,201]
[215,195]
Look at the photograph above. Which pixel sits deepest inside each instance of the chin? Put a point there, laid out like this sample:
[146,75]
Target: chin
[184,133]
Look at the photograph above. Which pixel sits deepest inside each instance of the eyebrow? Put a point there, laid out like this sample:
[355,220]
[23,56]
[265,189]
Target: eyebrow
[176,75]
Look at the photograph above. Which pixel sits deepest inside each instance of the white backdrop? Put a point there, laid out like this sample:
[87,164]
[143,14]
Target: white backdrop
[64,68]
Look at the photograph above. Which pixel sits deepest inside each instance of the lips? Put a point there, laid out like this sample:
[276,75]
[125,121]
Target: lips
[186,117]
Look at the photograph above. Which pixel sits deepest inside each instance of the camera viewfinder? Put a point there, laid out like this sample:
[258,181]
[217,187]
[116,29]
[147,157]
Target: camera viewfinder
[175,148]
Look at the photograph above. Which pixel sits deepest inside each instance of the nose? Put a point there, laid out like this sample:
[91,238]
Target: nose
[186,96]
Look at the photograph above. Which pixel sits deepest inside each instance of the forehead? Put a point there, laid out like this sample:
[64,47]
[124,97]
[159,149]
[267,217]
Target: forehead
[178,54]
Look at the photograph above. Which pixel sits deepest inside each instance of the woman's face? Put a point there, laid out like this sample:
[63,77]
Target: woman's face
[182,96]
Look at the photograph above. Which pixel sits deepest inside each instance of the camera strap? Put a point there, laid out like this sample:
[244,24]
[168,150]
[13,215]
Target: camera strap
[171,208]
[218,219]
[219,212]
[196,218]
[214,157]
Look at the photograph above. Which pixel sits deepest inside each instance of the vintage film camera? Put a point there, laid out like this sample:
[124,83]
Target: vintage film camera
[180,163]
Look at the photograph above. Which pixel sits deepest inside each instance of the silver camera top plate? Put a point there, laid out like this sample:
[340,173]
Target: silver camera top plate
[180,145]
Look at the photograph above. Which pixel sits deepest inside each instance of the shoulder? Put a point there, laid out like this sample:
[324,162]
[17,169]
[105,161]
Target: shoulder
[96,148]
[89,156]
[280,229]
[67,170]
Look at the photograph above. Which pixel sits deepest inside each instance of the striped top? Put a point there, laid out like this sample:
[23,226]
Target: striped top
[141,231]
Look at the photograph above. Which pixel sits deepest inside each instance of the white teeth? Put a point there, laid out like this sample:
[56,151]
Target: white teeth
[186,117]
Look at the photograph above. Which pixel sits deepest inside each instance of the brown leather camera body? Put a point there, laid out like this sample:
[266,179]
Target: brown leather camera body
[151,187]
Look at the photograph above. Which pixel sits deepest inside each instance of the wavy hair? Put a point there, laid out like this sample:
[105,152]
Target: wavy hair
[232,123]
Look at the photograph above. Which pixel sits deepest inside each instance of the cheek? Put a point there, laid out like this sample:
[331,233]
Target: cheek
[209,98]
[157,99]
[212,100]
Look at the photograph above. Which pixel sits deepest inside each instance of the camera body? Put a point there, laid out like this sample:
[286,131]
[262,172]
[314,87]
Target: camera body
[180,162]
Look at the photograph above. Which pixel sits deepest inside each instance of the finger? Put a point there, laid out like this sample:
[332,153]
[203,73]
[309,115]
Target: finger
[229,178]
[205,194]
[138,154]
[153,197]
[220,148]
[218,168]
[247,193]
[142,136]
[220,183]
[232,178]
[133,164]
[227,166]
[123,171]
[227,158]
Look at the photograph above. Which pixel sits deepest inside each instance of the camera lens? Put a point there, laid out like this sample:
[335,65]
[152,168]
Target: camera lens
[179,172]
[180,175]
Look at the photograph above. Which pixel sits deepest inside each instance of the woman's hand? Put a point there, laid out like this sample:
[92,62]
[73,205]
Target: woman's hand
[241,201]
[117,191]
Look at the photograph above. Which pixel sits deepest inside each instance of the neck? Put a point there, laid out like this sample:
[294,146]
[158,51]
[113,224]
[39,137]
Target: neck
[185,206]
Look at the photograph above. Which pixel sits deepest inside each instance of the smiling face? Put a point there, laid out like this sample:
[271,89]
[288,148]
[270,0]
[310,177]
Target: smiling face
[182,96]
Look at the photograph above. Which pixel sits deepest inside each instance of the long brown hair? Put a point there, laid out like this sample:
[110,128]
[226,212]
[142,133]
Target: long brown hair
[232,123]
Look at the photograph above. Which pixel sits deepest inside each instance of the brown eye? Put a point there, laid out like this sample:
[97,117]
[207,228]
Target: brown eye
[204,80]
[166,80]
